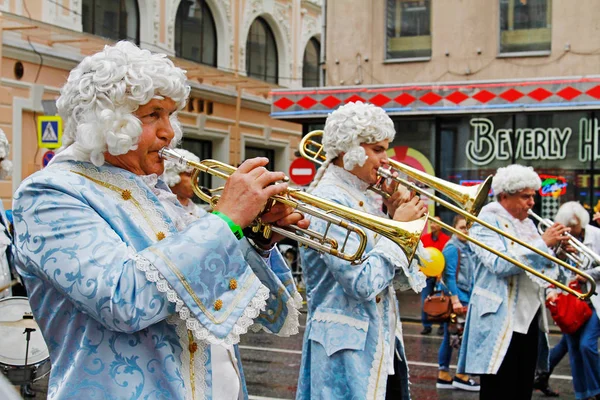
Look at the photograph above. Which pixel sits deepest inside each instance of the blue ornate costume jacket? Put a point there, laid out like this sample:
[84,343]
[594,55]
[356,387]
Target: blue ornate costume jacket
[491,316]
[129,306]
[353,327]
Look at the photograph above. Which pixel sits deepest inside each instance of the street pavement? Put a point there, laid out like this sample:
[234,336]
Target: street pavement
[271,364]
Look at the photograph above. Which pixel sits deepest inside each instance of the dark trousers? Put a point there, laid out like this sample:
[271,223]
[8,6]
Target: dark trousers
[397,386]
[514,379]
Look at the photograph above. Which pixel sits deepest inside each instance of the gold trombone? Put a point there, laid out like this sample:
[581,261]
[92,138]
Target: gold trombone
[471,200]
[404,234]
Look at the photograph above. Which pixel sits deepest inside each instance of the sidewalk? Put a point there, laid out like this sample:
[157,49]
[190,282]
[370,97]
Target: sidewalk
[410,309]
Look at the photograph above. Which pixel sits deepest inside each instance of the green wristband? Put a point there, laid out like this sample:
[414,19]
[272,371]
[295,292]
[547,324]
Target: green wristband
[235,228]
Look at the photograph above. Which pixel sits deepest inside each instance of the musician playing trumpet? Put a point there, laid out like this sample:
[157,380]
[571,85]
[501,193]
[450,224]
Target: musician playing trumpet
[505,318]
[135,298]
[353,340]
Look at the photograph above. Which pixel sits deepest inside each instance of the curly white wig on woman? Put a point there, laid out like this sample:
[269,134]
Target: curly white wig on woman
[103,91]
[174,168]
[349,126]
[5,165]
[515,178]
[571,214]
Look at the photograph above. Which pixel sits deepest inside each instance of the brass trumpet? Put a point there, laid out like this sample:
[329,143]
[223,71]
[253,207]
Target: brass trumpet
[471,200]
[404,234]
[586,257]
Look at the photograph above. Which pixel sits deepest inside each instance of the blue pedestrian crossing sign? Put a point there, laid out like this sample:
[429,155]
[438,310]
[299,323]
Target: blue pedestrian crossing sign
[49,130]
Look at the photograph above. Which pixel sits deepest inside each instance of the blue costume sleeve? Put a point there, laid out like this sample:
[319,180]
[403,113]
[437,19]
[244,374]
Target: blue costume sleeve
[281,313]
[494,263]
[363,281]
[450,253]
[79,252]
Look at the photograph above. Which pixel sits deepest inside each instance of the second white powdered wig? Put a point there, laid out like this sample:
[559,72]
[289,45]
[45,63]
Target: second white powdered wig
[352,124]
[571,214]
[103,91]
[174,168]
[515,178]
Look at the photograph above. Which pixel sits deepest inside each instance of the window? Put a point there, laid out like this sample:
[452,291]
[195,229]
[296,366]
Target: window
[310,68]
[113,19]
[261,53]
[525,25]
[195,33]
[252,152]
[408,29]
[203,149]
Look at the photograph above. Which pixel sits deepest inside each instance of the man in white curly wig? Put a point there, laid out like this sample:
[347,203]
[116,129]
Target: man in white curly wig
[179,178]
[500,341]
[135,297]
[353,338]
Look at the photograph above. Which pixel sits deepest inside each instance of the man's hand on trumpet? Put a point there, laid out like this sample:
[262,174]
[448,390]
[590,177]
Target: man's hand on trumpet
[411,210]
[398,195]
[555,235]
[247,191]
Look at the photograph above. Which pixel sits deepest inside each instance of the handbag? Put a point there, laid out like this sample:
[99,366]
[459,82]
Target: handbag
[437,307]
[568,312]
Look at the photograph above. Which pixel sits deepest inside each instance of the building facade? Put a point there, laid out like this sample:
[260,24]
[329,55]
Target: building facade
[471,86]
[235,52]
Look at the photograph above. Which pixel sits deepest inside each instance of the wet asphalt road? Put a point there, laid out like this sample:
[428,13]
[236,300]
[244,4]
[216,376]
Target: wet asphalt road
[271,365]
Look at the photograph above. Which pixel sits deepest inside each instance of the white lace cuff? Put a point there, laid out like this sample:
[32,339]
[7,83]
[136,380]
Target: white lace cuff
[200,332]
[291,323]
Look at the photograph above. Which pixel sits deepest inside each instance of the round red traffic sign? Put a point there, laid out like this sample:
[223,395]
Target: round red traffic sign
[302,171]
[47,157]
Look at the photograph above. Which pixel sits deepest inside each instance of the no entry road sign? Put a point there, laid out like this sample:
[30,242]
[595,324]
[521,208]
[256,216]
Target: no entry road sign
[302,171]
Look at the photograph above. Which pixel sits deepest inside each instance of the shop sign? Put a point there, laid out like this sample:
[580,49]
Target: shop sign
[490,144]
[553,186]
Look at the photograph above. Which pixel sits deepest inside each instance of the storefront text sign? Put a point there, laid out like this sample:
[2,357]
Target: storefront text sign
[490,144]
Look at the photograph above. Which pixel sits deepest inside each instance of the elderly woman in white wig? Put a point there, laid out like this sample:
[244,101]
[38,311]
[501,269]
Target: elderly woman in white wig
[134,299]
[353,340]
[179,178]
[505,320]
[583,345]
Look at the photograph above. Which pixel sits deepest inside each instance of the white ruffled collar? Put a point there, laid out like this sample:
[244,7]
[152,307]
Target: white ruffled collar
[338,174]
[525,229]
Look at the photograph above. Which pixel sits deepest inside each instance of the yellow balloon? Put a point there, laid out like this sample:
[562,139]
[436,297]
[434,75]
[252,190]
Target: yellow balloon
[435,267]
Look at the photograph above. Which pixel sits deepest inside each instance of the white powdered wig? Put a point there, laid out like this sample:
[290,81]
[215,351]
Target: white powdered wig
[571,214]
[103,91]
[349,126]
[352,124]
[515,178]
[174,168]
[5,165]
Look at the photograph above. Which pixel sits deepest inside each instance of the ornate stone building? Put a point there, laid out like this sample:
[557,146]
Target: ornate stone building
[235,51]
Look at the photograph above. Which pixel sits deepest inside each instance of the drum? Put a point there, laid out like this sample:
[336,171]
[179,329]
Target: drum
[14,343]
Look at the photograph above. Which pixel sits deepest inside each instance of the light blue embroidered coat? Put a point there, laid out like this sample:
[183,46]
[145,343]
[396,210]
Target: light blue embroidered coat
[491,315]
[118,292]
[353,326]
